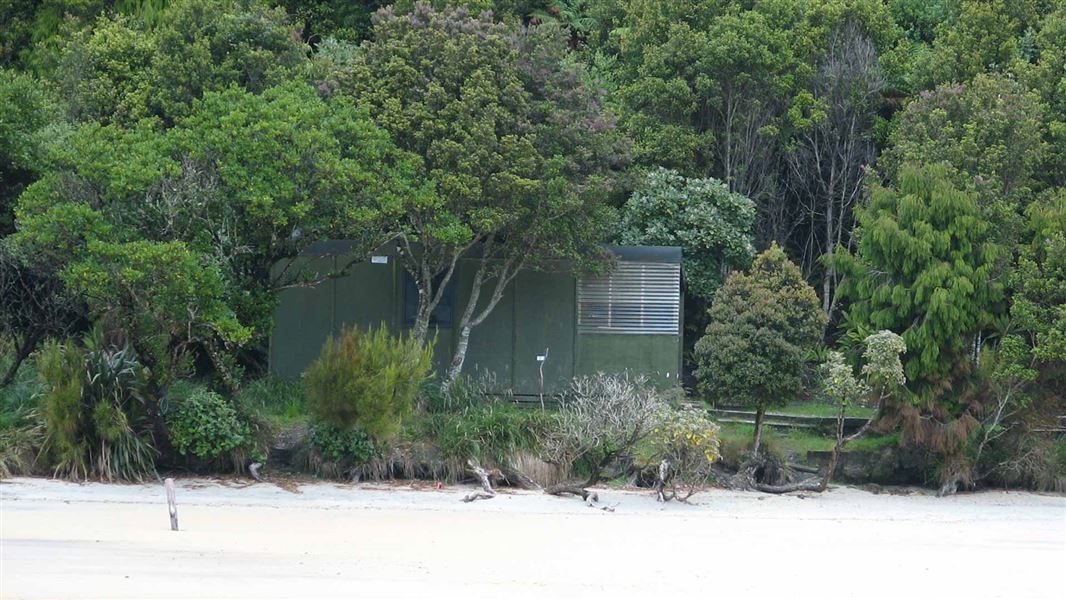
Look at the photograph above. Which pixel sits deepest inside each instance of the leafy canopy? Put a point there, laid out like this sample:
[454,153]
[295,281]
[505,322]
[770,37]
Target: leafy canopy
[173,232]
[763,325]
[925,267]
[712,225]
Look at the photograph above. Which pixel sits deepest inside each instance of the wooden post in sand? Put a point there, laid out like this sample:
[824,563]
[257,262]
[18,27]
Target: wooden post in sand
[172,503]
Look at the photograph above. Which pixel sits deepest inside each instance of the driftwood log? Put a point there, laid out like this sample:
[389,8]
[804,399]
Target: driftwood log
[485,478]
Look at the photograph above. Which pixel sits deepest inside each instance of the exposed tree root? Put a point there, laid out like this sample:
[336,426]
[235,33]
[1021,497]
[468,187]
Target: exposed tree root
[485,477]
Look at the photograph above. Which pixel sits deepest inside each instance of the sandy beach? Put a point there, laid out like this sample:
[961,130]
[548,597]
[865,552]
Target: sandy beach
[63,540]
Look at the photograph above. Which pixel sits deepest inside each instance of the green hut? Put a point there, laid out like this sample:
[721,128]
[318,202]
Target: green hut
[550,326]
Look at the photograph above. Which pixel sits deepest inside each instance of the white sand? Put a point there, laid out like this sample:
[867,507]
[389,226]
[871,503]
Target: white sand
[61,540]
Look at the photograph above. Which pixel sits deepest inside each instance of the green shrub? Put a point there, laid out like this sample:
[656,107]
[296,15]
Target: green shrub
[687,443]
[344,447]
[93,407]
[203,424]
[493,431]
[366,379]
[275,398]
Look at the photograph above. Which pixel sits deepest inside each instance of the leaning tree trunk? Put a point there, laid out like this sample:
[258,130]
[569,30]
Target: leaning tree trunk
[760,412]
[22,352]
[472,317]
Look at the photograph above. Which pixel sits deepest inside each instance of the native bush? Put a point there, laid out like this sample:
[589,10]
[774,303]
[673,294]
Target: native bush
[686,443]
[366,379]
[96,419]
[763,326]
[491,432]
[203,424]
[19,446]
[603,418]
[336,453]
[351,447]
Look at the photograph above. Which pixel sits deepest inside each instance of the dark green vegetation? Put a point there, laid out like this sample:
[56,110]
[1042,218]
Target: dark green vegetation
[159,157]
[366,380]
[763,325]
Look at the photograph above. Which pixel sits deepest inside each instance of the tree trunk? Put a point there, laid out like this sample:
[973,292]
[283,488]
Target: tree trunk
[837,447]
[420,330]
[469,320]
[459,357]
[22,351]
[759,413]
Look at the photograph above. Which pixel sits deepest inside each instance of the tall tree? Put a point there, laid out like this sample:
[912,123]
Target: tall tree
[763,326]
[925,266]
[721,88]
[518,148]
[713,226]
[831,153]
[175,232]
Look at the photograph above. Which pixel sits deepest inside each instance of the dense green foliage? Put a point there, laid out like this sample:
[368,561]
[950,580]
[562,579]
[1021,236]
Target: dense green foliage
[161,161]
[925,268]
[342,447]
[203,424]
[366,379]
[490,432]
[93,406]
[712,225]
[763,326]
[515,149]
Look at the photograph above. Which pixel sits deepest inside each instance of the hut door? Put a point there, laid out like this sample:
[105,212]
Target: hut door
[544,320]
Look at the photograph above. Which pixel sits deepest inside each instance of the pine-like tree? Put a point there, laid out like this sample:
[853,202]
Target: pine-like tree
[925,267]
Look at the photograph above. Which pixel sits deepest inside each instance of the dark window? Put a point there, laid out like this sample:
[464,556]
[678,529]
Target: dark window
[442,315]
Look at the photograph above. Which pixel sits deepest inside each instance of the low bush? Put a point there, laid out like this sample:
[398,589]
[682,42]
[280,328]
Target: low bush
[336,453]
[19,446]
[275,398]
[93,406]
[603,418]
[367,380]
[203,424]
[684,445]
[492,432]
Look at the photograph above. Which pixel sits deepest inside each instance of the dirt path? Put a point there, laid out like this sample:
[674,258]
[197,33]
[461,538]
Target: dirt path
[111,541]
